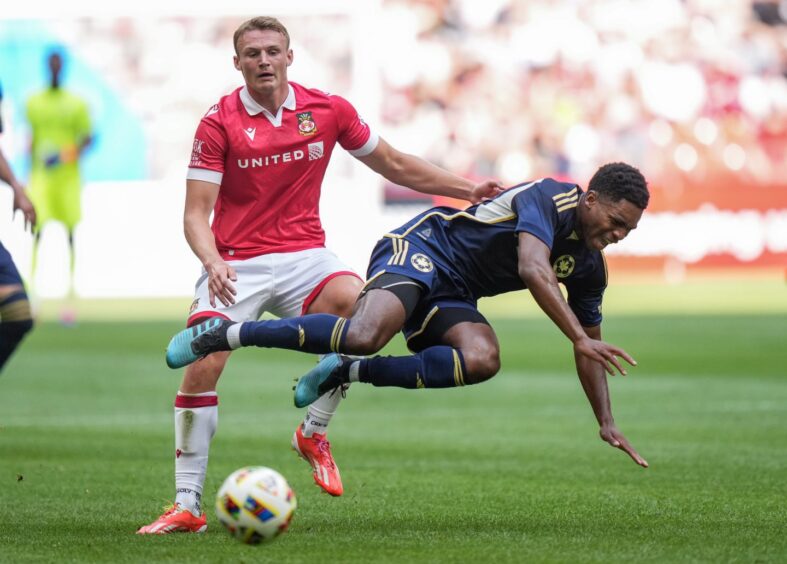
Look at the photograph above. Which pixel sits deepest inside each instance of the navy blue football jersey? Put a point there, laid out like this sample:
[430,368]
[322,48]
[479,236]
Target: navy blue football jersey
[477,248]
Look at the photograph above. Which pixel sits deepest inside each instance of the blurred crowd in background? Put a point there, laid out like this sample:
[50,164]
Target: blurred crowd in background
[686,90]
[502,88]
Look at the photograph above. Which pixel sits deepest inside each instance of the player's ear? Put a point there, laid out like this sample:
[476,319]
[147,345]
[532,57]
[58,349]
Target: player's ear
[289,57]
[236,62]
[591,197]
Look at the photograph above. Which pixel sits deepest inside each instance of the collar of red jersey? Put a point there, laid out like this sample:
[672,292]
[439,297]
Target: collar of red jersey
[253,108]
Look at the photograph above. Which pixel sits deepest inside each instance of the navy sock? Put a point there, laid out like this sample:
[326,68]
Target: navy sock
[15,324]
[11,334]
[316,333]
[435,367]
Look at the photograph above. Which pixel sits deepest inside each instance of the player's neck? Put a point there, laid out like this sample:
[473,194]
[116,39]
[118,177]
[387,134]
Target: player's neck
[578,224]
[273,100]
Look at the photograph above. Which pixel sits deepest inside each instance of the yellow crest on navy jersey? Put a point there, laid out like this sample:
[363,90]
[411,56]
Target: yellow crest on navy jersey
[421,262]
[306,125]
[564,266]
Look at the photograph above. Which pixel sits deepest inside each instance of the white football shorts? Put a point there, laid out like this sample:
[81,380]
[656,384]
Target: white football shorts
[284,284]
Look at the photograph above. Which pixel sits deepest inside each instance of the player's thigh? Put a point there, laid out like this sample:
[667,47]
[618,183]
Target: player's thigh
[337,296]
[378,316]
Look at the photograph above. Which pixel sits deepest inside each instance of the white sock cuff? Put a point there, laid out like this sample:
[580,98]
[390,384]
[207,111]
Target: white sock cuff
[233,335]
[317,411]
[353,371]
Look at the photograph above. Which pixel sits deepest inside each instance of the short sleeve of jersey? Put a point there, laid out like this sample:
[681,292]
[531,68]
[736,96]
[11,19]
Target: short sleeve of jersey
[354,134]
[210,144]
[585,296]
[536,213]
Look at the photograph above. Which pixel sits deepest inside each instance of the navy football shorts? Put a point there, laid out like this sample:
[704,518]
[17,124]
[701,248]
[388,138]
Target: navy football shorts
[444,301]
[9,275]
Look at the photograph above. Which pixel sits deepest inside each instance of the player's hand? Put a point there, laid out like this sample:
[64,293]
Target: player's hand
[52,160]
[604,353]
[614,437]
[485,190]
[23,204]
[68,154]
[220,283]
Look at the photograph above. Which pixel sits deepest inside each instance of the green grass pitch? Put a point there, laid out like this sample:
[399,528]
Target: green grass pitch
[508,471]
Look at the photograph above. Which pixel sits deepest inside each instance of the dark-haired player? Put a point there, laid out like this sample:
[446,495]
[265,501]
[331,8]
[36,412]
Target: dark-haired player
[425,278]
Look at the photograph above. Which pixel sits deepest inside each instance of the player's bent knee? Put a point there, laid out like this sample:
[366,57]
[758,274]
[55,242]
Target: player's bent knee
[364,340]
[481,365]
[344,307]
[363,345]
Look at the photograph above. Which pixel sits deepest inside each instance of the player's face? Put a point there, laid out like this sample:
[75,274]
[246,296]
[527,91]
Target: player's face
[605,222]
[263,58]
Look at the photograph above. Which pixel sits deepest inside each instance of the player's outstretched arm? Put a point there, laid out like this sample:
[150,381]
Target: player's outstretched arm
[200,198]
[422,176]
[593,377]
[537,274]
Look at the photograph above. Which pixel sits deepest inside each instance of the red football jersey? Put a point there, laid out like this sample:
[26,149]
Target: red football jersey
[270,168]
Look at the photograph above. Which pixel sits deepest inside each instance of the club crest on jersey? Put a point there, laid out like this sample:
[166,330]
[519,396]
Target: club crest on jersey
[306,125]
[421,262]
[194,306]
[564,266]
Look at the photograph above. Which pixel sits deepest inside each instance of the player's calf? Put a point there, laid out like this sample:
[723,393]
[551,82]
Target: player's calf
[15,323]
[434,367]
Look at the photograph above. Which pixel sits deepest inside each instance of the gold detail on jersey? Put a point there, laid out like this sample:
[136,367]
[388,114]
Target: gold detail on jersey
[573,236]
[301,336]
[419,384]
[567,206]
[459,377]
[336,334]
[564,266]
[566,200]
[400,249]
[563,195]
[447,217]
[422,263]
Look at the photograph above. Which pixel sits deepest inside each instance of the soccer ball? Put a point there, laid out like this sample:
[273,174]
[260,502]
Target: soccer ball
[255,504]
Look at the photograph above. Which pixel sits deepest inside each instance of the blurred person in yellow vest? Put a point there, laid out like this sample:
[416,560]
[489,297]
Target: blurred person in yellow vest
[61,131]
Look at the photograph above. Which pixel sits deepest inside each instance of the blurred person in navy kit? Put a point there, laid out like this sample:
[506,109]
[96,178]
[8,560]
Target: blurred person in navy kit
[15,316]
